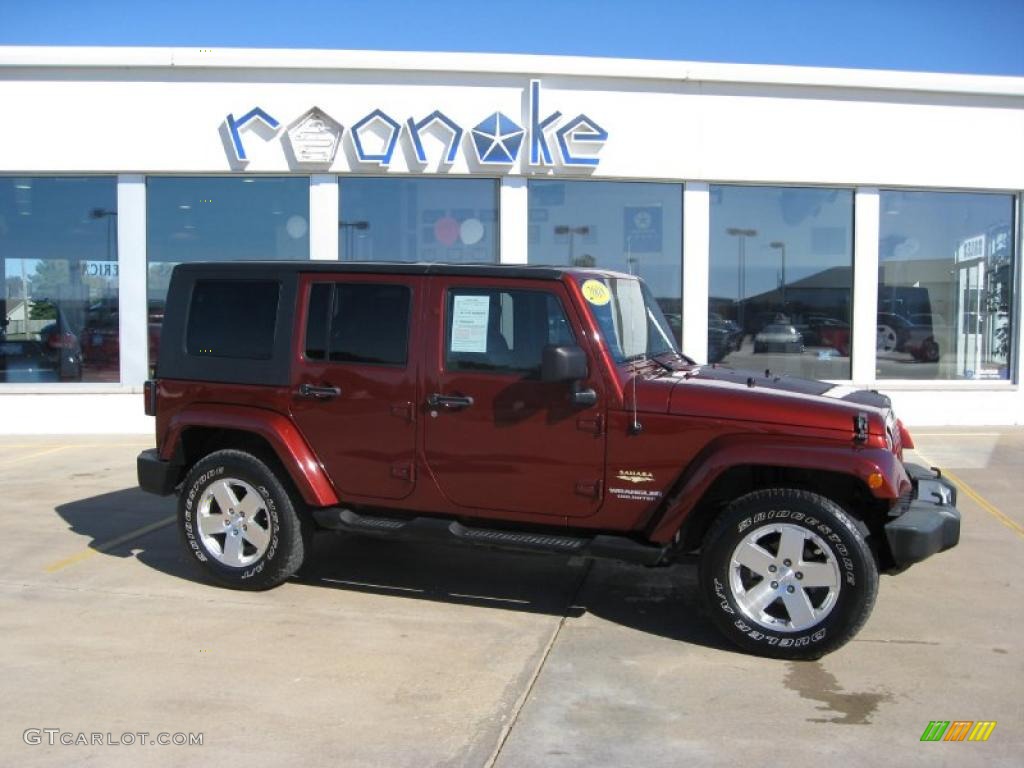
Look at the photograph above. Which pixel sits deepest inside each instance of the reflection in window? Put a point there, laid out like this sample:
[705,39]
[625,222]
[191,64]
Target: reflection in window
[449,220]
[781,279]
[945,288]
[630,320]
[219,219]
[502,331]
[58,257]
[632,227]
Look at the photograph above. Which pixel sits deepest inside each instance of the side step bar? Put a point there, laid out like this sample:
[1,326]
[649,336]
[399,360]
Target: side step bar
[442,530]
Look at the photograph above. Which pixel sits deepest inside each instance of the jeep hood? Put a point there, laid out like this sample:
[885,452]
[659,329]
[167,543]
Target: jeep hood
[783,383]
[762,396]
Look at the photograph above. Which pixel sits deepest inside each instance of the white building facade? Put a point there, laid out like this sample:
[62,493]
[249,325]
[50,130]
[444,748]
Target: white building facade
[858,226]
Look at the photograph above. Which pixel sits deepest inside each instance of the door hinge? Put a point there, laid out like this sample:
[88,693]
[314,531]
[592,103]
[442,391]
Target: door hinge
[592,424]
[404,471]
[591,488]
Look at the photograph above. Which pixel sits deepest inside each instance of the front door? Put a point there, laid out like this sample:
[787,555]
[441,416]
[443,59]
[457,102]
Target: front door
[354,387]
[498,439]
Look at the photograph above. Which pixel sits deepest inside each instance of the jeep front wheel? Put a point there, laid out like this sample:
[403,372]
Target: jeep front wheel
[787,573]
[239,522]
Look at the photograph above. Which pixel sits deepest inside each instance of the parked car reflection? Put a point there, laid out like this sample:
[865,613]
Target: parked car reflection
[836,337]
[900,334]
[779,338]
[100,337]
[40,346]
[731,329]
[815,327]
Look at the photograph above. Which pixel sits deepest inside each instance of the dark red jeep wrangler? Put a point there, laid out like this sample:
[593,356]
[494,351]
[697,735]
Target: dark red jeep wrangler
[526,408]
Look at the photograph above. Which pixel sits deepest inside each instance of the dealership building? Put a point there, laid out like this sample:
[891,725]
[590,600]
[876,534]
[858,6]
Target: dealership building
[858,226]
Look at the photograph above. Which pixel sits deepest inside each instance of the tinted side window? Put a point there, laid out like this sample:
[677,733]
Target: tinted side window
[502,331]
[233,318]
[318,321]
[358,323]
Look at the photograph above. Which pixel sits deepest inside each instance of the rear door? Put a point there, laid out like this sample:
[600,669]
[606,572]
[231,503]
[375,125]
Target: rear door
[499,440]
[354,383]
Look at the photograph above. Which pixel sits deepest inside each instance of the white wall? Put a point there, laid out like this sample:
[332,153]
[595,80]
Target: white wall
[74,413]
[164,120]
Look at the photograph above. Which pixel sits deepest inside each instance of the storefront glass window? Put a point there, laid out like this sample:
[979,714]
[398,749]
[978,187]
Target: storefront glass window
[945,285]
[449,220]
[219,219]
[632,227]
[781,279]
[58,258]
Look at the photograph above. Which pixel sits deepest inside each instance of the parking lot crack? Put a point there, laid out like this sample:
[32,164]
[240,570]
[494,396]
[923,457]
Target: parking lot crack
[538,669]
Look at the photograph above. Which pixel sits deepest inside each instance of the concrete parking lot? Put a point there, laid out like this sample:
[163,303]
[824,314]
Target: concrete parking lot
[393,654]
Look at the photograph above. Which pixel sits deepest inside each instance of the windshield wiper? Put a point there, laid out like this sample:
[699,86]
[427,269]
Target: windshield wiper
[643,358]
[679,356]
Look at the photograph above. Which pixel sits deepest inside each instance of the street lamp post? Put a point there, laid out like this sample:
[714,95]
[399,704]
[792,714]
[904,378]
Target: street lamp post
[565,229]
[781,246]
[103,213]
[80,291]
[349,227]
[741,267]
[632,262]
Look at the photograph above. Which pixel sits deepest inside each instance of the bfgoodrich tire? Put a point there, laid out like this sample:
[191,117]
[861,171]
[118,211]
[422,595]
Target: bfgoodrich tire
[239,522]
[786,573]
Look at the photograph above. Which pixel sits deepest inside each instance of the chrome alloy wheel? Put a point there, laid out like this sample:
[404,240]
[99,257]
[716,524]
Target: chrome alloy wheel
[784,577]
[887,339]
[233,523]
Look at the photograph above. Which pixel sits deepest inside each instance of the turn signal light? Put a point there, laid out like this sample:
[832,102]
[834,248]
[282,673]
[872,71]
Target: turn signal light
[875,480]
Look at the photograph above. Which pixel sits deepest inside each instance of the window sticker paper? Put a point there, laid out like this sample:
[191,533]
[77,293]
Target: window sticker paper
[469,323]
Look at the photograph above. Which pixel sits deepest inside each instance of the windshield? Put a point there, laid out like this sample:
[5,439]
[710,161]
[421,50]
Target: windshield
[630,320]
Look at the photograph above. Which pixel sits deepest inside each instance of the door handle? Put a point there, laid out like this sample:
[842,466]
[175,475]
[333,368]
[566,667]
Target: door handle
[450,402]
[320,393]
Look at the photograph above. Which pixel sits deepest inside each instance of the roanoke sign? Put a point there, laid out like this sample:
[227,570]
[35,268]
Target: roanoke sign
[495,142]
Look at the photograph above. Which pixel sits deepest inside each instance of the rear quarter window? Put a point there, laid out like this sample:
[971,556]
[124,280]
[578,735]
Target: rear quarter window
[233,319]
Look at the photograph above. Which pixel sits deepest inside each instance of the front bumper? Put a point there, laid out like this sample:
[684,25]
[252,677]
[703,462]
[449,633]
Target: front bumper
[925,522]
[155,475]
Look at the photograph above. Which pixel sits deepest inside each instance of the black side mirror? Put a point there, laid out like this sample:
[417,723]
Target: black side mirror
[563,363]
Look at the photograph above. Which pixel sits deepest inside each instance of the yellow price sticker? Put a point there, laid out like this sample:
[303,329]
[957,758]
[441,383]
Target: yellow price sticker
[596,292]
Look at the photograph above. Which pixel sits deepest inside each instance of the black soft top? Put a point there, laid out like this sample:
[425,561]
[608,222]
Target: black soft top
[397,268]
[176,363]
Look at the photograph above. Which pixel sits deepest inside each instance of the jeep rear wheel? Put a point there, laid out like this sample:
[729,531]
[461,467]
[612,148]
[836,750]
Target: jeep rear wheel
[239,522]
[887,339]
[787,573]
[930,351]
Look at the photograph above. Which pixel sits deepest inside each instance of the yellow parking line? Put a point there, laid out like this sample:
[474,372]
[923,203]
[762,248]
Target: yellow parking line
[29,456]
[985,504]
[108,545]
[978,499]
[55,448]
[6,446]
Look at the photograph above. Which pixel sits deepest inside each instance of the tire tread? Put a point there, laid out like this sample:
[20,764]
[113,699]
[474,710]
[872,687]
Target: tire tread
[293,548]
[854,527]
